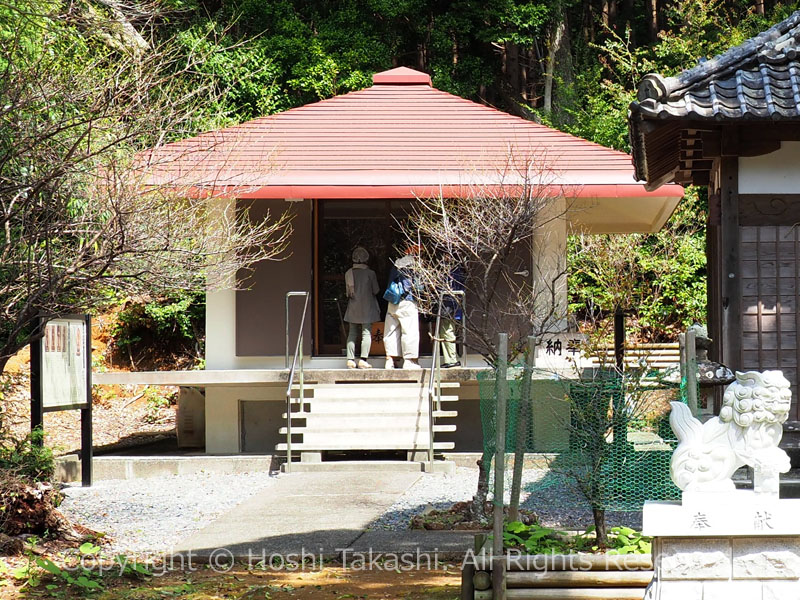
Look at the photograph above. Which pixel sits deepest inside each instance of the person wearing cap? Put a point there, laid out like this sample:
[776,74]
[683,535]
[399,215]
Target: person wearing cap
[401,330]
[362,307]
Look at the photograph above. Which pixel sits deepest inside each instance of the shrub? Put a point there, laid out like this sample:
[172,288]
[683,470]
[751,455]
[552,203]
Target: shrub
[27,457]
[168,327]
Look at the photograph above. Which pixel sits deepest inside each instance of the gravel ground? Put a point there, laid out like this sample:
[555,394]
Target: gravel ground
[556,505]
[152,515]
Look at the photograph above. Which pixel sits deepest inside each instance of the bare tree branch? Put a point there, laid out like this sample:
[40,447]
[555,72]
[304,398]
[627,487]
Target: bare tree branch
[80,212]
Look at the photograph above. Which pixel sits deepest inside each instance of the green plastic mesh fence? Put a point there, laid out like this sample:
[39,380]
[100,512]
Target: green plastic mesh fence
[606,438]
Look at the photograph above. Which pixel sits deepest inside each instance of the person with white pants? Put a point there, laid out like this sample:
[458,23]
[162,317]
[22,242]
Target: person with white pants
[401,330]
[401,334]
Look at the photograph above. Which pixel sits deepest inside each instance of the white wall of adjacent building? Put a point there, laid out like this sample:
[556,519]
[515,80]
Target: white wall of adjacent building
[774,173]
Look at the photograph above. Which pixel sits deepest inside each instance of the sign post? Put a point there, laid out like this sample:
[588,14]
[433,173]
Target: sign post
[61,377]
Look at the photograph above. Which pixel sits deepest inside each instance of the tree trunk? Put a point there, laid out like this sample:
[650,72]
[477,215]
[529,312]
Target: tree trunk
[760,7]
[513,70]
[599,515]
[524,411]
[421,57]
[115,30]
[556,40]
[528,94]
[652,19]
[559,64]
[479,499]
[588,22]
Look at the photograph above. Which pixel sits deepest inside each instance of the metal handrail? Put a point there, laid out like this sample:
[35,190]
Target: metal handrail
[436,370]
[291,295]
[297,351]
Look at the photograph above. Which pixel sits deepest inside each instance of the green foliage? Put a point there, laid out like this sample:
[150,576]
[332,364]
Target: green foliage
[315,50]
[132,568]
[156,401]
[170,324]
[245,76]
[535,539]
[624,540]
[26,457]
[664,283]
[79,578]
[85,577]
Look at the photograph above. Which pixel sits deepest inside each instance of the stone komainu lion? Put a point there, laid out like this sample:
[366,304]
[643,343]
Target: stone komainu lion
[746,432]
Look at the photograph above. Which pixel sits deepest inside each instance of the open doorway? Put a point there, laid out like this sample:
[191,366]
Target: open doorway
[341,225]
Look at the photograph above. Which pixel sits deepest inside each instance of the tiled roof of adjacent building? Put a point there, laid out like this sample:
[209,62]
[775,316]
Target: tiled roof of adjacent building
[759,79]
[755,81]
[399,138]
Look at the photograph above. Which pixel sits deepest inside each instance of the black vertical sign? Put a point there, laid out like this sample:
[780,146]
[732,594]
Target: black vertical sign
[86,413]
[37,410]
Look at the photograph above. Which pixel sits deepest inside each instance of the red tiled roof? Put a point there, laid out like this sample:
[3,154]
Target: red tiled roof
[399,138]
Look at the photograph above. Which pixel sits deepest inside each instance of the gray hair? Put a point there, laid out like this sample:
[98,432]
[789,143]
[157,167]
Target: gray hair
[360,255]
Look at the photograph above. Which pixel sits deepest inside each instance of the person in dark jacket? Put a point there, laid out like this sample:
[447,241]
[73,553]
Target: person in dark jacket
[451,314]
[401,330]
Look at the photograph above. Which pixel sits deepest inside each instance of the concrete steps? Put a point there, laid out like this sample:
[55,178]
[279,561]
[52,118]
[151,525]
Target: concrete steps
[355,406]
[364,444]
[368,415]
[437,414]
[373,466]
[378,427]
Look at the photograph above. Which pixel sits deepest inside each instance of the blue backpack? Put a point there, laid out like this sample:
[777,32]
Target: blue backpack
[394,293]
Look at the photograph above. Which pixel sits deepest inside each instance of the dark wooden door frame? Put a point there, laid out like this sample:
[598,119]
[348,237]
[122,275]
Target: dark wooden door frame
[730,272]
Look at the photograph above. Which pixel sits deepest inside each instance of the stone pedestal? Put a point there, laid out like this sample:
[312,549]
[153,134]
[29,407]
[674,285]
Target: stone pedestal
[726,546]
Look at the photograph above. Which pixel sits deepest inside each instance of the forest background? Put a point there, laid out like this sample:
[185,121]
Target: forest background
[571,64]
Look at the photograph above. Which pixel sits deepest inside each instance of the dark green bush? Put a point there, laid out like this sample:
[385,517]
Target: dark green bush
[162,328]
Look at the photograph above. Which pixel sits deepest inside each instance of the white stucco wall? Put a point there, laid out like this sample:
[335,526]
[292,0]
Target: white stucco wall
[774,173]
[548,264]
[222,413]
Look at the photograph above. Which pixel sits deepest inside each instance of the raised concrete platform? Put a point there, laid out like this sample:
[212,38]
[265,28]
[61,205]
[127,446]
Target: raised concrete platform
[536,460]
[68,468]
[251,377]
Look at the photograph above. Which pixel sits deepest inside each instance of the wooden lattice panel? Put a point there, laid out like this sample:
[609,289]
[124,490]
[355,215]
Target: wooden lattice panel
[769,284]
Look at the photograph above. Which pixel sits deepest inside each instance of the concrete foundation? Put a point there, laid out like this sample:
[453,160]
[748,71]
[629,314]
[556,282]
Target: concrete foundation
[68,468]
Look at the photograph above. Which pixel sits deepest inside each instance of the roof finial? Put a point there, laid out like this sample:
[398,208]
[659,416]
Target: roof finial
[401,76]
